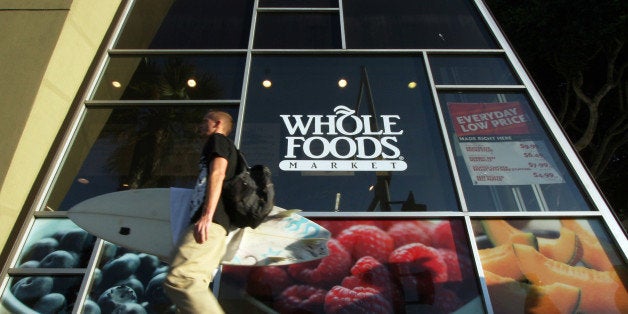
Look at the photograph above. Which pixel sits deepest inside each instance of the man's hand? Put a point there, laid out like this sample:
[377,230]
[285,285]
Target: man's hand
[201,229]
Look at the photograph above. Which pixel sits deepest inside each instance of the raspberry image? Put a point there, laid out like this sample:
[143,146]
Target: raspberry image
[267,282]
[364,240]
[419,259]
[301,299]
[358,300]
[449,235]
[368,272]
[459,267]
[327,271]
[417,289]
[406,232]
[337,226]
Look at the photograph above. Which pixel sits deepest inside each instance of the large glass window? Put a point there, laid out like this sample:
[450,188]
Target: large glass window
[129,148]
[187,24]
[347,133]
[505,159]
[297,31]
[172,77]
[445,24]
[471,70]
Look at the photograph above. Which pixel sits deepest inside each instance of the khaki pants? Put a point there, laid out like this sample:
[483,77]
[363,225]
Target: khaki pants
[192,269]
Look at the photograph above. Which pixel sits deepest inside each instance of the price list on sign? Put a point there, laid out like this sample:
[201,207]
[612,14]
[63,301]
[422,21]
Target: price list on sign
[509,163]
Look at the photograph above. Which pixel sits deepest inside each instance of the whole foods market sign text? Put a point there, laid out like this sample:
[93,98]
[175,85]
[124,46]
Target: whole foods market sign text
[342,142]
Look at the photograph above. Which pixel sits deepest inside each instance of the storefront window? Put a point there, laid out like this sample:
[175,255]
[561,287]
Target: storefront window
[129,148]
[505,159]
[172,77]
[448,24]
[543,265]
[299,3]
[187,24]
[130,277]
[471,70]
[41,294]
[347,133]
[396,266]
[297,31]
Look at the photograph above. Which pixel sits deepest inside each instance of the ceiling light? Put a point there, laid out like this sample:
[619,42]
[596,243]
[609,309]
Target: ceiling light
[267,83]
[192,83]
[342,83]
[412,85]
[116,84]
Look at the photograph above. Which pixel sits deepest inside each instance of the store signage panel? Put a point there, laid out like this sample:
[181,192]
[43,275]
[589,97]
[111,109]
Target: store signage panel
[497,146]
[328,144]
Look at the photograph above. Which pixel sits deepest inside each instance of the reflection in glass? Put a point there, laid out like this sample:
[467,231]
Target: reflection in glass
[299,3]
[56,243]
[172,78]
[187,24]
[540,265]
[382,151]
[471,70]
[449,24]
[130,148]
[297,31]
[505,158]
[42,294]
[400,266]
[137,275]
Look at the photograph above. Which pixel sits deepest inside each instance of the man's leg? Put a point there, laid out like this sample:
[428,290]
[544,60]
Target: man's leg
[191,271]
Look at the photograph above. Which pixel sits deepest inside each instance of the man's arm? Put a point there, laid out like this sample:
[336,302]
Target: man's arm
[216,176]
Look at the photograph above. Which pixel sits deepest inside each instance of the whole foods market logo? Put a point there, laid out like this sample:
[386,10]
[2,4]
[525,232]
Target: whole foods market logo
[342,142]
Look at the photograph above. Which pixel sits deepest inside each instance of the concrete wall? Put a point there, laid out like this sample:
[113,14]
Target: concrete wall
[46,48]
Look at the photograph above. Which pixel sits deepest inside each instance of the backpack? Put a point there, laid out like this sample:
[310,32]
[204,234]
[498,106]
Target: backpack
[250,195]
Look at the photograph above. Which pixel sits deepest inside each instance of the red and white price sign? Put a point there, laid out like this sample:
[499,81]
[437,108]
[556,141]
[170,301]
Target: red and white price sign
[509,163]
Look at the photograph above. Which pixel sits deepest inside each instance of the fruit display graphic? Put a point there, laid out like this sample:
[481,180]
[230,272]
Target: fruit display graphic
[550,266]
[374,266]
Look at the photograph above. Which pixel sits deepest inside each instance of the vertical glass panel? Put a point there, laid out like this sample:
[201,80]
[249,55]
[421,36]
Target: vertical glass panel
[130,148]
[347,133]
[297,31]
[545,265]
[395,266]
[56,243]
[135,276]
[172,77]
[504,156]
[471,70]
[448,24]
[299,3]
[187,24]
[40,294]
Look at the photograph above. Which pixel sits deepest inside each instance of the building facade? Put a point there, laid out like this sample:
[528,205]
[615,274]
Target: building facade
[408,129]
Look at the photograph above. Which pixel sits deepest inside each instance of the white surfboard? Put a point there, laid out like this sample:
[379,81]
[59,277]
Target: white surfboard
[150,221]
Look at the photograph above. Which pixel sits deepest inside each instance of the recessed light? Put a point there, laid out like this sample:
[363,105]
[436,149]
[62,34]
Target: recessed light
[192,83]
[342,83]
[411,85]
[116,84]
[267,83]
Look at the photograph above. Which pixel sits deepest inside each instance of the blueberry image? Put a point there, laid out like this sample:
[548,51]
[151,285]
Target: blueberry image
[155,293]
[134,284]
[119,269]
[29,264]
[148,265]
[58,259]
[40,249]
[30,289]
[115,296]
[78,241]
[129,308]
[91,307]
[50,303]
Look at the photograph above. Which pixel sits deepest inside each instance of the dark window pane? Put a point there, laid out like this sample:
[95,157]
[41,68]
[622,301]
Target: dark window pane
[471,70]
[129,148]
[346,164]
[188,24]
[415,265]
[297,31]
[299,3]
[415,24]
[174,77]
[505,159]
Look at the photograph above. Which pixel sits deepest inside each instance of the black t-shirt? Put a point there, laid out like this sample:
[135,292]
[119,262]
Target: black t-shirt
[218,145]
